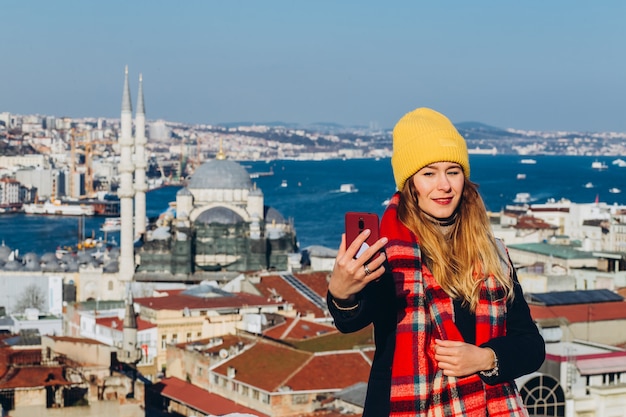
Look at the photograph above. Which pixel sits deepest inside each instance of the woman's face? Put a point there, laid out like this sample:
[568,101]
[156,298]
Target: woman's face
[439,188]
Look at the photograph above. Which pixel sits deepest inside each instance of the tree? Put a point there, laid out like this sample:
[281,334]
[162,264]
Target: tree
[32,297]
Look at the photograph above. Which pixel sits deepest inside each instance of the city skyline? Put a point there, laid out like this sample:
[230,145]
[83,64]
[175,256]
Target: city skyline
[533,66]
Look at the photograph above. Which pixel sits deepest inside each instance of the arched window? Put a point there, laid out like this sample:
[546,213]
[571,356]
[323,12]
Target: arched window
[543,396]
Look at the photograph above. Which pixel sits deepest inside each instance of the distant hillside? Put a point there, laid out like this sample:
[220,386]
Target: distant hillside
[478,126]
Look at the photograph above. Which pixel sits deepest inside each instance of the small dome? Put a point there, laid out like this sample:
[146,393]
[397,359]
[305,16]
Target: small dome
[220,174]
[221,215]
[85,258]
[72,266]
[13,266]
[161,233]
[5,251]
[52,267]
[30,257]
[31,262]
[183,191]
[273,215]
[48,257]
[111,267]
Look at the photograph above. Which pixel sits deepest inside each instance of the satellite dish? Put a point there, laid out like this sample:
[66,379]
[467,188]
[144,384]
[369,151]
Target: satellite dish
[223,353]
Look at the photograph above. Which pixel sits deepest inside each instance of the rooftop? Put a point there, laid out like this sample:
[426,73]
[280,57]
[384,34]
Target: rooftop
[557,251]
[199,399]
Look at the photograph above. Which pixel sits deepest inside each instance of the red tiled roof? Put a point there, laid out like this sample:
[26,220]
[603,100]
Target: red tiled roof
[178,301]
[317,281]
[275,284]
[298,329]
[34,376]
[199,399]
[580,313]
[265,365]
[118,324]
[330,371]
[269,366]
[530,222]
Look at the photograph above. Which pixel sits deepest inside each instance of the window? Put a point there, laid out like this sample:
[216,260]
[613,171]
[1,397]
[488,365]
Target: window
[163,342]
[299,399]
[543,396]
[189,337]
[175,338]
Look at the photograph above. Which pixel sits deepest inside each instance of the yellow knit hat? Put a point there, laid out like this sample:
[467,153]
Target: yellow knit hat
[422,137]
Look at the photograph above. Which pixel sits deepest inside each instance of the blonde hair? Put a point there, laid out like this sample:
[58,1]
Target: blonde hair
[460,263]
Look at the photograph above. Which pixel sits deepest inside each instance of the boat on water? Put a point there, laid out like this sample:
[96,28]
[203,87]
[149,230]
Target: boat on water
[619,162]
[599,165]
[614,190]
[522,198]
[59,208]
[528,161]
[348,188]
[111,224]
[589,185]
[521,176]
[283,184]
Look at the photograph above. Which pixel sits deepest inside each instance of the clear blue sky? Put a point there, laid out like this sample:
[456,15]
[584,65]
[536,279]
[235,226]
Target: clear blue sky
[535,64]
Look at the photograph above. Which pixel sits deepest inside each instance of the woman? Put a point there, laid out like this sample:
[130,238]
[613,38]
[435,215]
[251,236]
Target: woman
[451,326]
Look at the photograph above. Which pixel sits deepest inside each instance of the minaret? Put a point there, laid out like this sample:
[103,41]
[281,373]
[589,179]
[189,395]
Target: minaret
[130,352]
[140,163]
[125,191]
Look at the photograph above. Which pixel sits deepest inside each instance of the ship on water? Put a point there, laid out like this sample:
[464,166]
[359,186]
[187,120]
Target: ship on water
[59,208]
[482,151]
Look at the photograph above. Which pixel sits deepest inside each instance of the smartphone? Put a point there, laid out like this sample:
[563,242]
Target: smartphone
[356,222]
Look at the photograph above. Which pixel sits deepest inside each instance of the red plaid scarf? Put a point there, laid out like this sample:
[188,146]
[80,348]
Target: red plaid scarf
[418,387]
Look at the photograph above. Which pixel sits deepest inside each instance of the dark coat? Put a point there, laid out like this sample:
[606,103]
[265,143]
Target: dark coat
[520,352]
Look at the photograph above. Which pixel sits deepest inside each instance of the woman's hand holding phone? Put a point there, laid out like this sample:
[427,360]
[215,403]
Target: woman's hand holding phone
[360,260]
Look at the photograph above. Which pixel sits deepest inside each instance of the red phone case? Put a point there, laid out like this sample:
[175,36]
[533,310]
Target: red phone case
[356,222]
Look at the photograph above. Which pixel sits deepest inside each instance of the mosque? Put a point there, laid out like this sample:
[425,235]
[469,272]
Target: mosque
[219,221]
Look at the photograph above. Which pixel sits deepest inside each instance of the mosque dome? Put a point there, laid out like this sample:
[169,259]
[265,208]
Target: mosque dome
[72,266]
[221,215]
[31,262]
[13,266]
[111,267]
[273,215]
[52,267]
[183,192]
[220,174]
[5,251]
[48,257]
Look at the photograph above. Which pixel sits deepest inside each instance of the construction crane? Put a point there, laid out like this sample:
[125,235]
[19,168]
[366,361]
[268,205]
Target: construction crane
[86,148]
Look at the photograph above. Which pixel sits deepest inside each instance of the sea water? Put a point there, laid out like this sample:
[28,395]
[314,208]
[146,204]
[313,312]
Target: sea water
[308,194]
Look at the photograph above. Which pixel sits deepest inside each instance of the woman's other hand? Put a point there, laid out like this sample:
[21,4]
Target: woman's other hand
[462,359]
